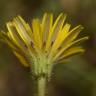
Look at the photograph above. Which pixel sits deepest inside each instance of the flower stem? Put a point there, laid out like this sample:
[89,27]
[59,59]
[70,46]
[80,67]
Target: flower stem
[41,83]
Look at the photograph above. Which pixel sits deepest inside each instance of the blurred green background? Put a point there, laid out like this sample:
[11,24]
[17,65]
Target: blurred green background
[78,76]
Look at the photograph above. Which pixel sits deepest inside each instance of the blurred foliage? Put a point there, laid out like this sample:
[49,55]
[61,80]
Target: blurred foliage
[78,76]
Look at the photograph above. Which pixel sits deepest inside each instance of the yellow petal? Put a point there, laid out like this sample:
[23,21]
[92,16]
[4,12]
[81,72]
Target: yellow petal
[72,51]
[22,31]
[55,29]
[46,25]
[4,38]
[60,38]
[37,33]
[64,48]
[69,37]
[72,35]
[27,27]
[22,59]
[15,37]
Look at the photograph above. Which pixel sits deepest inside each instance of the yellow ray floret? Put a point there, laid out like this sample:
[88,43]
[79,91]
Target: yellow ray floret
[22,31]
[37,33]
[55,29]
[14,36]
[60,38]
[46,26]
[21,58]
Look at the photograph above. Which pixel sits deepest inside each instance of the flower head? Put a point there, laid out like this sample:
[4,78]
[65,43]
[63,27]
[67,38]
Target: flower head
[44,43]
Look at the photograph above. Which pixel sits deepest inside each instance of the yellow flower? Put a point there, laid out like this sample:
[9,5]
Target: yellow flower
[43,44]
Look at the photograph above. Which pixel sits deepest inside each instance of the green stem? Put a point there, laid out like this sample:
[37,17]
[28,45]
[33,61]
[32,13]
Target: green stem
[41,83]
